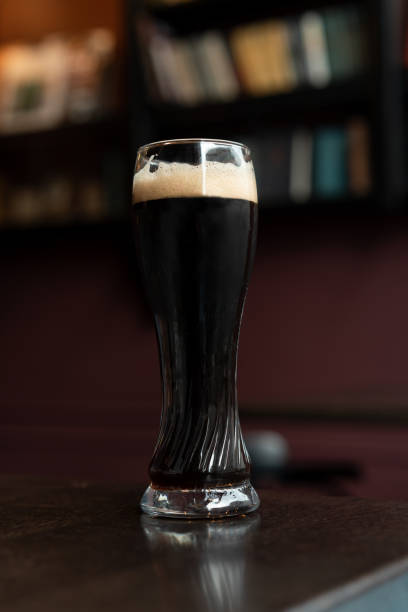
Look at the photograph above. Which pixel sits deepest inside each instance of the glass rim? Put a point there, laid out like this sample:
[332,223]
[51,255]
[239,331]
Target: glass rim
[170,141]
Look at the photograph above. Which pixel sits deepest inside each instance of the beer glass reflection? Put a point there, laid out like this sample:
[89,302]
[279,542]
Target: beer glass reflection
[211,556]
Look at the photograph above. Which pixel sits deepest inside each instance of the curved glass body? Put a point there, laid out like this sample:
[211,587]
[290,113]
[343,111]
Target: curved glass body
[195,225]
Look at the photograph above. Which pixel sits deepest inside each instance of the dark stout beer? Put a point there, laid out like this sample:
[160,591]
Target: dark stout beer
[196,255]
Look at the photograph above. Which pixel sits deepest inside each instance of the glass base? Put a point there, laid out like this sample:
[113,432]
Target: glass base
[213,502]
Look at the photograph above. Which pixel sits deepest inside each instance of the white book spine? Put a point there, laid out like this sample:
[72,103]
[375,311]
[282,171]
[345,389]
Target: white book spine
[301,166]
[315,49]
[220,65]
[163,60]
[188,84]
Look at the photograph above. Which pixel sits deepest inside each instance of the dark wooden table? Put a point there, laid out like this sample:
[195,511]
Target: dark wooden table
[84,548]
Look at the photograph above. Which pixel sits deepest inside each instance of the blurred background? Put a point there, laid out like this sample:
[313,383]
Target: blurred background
[318,90]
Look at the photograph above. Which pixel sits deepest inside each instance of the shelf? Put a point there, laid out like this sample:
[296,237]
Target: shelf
[118,229]
[346,204]
[107,127]
[351,95]
[46,232]
[121,224]
[199,15]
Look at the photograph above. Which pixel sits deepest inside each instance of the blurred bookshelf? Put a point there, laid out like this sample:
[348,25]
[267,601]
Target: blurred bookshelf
[64,125]
[69,175]
[316,88]
[295,77]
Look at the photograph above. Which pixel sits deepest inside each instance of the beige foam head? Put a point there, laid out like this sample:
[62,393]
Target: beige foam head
[177,180]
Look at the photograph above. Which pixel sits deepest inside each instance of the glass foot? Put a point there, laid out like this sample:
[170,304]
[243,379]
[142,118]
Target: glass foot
[217,502]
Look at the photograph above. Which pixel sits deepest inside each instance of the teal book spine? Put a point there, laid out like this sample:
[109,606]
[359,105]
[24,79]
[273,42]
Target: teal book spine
[330,162]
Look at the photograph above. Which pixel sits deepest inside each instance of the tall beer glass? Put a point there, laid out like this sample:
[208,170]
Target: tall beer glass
[195,225]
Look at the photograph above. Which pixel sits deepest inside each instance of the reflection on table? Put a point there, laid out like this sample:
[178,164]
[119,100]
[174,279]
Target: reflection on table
[215,579]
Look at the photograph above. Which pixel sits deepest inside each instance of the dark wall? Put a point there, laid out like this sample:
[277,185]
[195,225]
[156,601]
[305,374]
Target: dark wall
[326,315]
[326,318]
[77,344]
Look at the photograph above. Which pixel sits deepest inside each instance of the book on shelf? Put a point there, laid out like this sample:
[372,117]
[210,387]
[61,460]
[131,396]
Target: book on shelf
[91,201]
[359,170]
[315,49]
[359,38]
[56,195]
[262,53]
[330,162]
[215,60]
[24,207]
[341,59]
[297,52]
[163,65]
[301,166]
[202,68]
[275,40]
[192,87]
[249,59]
[344,35]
